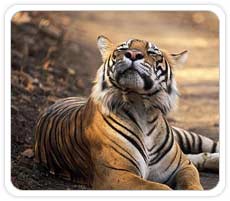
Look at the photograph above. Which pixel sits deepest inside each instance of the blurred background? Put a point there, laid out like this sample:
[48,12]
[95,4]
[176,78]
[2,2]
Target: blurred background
[54,55]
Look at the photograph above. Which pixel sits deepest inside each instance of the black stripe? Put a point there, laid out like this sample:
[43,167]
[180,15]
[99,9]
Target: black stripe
[131,140]
[173,159]
[154,145]
[73,138]
[114,84]
[114,142]
[172,174]
[153,106]
[38,137]
[107,61]
[78,148]
[151,130]
[166,70]
[65,150]
[85,145]
[108,69]
[164,152]
[104,85]
[130,115]
[77,134]
[164,141]
[159,61]
[148,83]
[103,78]
[53,143]
[163,72]
[200,144]
[180,139]
[193,150]
[170,75]
[187,143]
[43,143]
[110,59]
[131,161]
[131,41]
[153,120]
[150,149]
[214,147]
[130,131]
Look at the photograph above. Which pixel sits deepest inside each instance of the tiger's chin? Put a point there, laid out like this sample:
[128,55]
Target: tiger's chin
[131,80]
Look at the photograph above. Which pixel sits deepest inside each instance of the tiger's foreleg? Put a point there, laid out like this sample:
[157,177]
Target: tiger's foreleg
[112,179]
[187,178]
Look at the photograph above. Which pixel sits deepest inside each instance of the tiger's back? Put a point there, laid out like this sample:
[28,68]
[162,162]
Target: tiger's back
[59,141]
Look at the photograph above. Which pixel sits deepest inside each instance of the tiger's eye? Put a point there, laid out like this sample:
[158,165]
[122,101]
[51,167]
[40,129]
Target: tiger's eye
[122,49]
[151,52]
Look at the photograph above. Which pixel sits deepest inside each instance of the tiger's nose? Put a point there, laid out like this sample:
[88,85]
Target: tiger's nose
[134,55]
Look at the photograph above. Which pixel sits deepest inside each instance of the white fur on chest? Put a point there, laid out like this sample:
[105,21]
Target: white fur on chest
[157,171]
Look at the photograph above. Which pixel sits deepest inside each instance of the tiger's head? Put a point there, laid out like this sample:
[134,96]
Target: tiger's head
[136,69]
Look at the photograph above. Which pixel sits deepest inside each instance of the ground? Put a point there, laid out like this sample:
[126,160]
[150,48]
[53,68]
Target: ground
[54,55]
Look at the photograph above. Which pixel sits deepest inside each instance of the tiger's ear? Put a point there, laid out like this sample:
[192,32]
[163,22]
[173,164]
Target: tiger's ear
[180,58]
[105,46]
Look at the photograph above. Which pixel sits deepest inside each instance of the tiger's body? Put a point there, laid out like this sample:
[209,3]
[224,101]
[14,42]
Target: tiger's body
[119,137]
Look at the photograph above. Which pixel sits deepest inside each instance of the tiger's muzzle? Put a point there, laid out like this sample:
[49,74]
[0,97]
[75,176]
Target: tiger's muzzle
[129,74]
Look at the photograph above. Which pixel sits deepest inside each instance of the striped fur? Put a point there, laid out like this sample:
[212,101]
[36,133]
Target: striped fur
[119,137]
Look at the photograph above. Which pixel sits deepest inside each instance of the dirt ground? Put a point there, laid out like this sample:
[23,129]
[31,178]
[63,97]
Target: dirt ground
[54,55]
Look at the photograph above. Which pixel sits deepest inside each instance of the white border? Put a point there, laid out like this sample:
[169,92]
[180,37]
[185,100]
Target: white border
[17,192]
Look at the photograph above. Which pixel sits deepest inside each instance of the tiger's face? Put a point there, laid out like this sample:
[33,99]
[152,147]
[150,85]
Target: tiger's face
[137,66]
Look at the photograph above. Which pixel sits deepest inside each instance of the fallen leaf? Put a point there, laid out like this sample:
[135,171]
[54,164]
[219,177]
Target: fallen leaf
[29,153]
[71,71]
[21,18]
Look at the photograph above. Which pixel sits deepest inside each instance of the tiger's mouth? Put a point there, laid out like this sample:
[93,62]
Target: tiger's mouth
[130,79]
[130,70]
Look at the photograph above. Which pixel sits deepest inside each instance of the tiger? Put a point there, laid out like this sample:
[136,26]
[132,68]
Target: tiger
[119,137]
